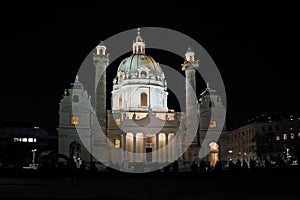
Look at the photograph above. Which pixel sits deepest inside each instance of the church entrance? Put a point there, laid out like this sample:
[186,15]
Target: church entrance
[148,154]
[149,145]
[74,149]
[213,156]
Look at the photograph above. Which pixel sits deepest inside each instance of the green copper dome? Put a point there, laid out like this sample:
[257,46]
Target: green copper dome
[131,65]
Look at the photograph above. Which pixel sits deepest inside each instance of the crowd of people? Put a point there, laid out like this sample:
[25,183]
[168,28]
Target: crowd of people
[238,166]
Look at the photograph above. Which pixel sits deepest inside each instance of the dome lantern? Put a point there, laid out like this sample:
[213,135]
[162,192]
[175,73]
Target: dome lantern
[101,48]
[189,55]
[138,46]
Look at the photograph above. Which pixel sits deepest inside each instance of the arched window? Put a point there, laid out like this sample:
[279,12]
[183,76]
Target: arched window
[75,99]
[74,149]
[120,102]
[213,156]
[120,77]
[144,99]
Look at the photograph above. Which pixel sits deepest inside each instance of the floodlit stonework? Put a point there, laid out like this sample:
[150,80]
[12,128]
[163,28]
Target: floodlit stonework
[138,109]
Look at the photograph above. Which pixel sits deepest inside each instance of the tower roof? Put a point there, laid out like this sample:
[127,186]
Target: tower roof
[101,43]
[189,50]
[77,84]
[208,91]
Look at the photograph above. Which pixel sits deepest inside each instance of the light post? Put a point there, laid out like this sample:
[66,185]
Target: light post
[33,155]
[230,154]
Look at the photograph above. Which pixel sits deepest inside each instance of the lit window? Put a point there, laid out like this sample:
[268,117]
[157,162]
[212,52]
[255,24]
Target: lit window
[213,124]
[75,120]
[30,139]
[292,136]
[117,121]
[16,139]
[277,137]
[149,140]
[144,101]
[34,140]
[298,135]
[285,136]
[24,139]
[170,117]
[117,143]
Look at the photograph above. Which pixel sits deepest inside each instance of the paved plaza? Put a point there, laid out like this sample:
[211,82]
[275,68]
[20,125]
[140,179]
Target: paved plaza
[275,185]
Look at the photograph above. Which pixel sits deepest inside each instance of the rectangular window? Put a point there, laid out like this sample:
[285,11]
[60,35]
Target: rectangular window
[284,136]
[170,117]
[117,143]
[24,139]
[75,120]
[277,137]
[298,135]
[30,139]
[292,136]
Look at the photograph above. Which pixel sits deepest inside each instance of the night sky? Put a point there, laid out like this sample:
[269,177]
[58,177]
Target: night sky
[254,47]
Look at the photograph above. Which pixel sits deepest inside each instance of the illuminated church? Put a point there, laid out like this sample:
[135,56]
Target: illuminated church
[140,121]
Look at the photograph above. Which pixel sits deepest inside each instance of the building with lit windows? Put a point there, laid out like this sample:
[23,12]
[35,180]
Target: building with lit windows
[266,137]
[17,142]
[138,108]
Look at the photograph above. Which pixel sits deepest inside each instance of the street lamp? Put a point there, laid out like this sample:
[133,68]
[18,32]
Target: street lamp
[33,155]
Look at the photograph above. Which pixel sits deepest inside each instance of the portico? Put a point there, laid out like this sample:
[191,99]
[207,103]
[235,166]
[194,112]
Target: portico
[147,147]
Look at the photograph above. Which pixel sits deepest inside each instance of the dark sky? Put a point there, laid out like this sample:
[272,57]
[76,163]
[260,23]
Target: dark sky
[254,46]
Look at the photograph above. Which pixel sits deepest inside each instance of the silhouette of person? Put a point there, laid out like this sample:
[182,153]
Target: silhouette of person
[238,164]
[244,165]
[252,164]
[267,164]
[218,166]
[194,167]
[175,166]
[231,165]
[202,167]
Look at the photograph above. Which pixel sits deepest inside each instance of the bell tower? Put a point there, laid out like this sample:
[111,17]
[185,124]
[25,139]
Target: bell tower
[101,60]
[212,114]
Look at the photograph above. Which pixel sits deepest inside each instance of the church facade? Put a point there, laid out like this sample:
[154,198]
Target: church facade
[140,121]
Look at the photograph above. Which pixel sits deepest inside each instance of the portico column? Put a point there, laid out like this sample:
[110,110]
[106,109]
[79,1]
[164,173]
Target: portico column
[125,155]
[124,141]
[134,147]
[166,146]
[157,147]
[144,147]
